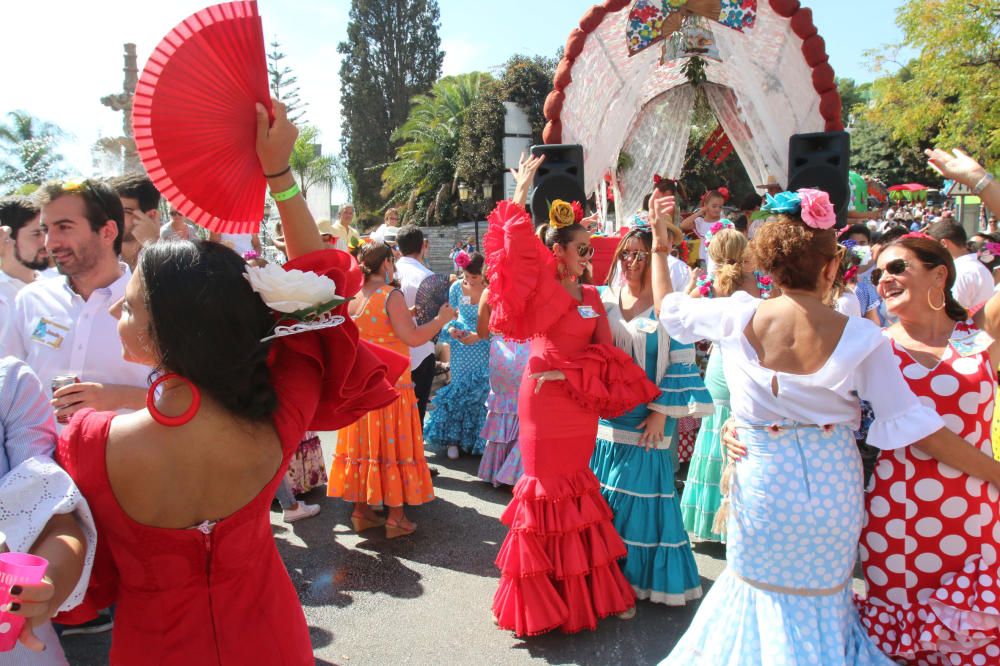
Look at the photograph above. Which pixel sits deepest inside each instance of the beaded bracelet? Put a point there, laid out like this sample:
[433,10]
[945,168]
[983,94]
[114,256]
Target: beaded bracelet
[287,194]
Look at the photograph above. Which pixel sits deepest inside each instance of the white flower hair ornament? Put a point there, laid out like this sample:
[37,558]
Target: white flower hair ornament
[306,298]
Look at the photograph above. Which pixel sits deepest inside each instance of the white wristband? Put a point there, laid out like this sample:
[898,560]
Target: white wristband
[983,184]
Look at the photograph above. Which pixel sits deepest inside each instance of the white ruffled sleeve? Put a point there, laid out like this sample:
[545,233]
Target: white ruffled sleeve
[900,418]
[689,320]
[33,492]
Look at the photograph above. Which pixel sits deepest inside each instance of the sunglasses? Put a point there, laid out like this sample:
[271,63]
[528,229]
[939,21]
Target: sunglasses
[175,213]
[894,267]
[585,251]
[629,256]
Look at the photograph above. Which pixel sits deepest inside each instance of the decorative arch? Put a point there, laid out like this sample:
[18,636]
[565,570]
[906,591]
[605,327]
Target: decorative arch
[773,79]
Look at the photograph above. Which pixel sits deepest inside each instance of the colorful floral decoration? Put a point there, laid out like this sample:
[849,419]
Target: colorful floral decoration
[646,18]
[989,253]
[462,259]
[764,284]
[561,214]
[716,228]
[704,286]
[684,251]
[577,212]
[813,206]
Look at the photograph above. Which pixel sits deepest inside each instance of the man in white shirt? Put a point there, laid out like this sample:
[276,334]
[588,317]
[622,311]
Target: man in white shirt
[390,221]
[411,271]
[22,245]
[62,325]
[973,281]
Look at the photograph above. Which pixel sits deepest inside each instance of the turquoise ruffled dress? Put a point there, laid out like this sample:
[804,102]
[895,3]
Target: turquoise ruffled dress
[639,484]
[458,411]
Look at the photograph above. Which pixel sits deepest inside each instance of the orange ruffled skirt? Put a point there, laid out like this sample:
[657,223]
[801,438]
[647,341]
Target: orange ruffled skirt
[379,459]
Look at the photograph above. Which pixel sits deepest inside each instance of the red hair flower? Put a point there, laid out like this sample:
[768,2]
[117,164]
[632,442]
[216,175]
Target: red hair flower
[577,211]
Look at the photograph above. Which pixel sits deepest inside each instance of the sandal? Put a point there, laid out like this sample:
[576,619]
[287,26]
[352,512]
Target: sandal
[395,529]
[362,523]
[627,615]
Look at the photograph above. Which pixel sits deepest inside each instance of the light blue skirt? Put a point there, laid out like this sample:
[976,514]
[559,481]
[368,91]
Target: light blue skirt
[793,528]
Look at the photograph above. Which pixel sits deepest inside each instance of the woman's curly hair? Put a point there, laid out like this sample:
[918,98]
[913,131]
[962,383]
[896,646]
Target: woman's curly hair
[792,253]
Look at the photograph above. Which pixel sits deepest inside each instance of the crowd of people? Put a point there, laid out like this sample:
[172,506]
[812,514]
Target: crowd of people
[159,391]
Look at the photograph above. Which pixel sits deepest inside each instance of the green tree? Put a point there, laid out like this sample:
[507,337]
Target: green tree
[28,149]
[284,84]
[874,152]
[392,53]
[309,164]
[853,98]
[525,81]
[424,173]
[949,93]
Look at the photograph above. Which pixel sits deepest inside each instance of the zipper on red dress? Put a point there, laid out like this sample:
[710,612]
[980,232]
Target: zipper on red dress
[206,529]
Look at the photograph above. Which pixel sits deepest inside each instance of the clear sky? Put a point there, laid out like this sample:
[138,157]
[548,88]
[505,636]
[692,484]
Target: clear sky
[61,56]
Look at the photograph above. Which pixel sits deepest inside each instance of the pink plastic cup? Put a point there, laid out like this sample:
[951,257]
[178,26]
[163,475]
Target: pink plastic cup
[16,569]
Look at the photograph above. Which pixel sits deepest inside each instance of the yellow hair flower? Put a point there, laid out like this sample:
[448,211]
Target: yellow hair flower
[561,214]
[74,184]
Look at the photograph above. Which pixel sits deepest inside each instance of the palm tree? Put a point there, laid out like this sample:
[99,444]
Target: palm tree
[425,169]
[28,150]
[310,166]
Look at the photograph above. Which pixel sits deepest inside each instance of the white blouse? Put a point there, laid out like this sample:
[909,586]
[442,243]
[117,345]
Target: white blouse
[861,365]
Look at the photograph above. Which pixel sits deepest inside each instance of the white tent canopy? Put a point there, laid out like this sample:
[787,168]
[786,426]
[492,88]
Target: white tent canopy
[762,89]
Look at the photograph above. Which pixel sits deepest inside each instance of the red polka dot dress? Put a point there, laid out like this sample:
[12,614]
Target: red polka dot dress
[931,536]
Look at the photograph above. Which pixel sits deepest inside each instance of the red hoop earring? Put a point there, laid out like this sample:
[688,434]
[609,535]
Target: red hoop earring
[173,421]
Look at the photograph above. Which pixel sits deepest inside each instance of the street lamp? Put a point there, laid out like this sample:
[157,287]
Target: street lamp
[464,193]
[488,200]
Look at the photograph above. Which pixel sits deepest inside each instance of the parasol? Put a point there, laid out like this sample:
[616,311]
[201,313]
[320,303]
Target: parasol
[195,121]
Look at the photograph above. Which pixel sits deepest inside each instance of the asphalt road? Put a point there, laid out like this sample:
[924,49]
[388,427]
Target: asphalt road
[425,599]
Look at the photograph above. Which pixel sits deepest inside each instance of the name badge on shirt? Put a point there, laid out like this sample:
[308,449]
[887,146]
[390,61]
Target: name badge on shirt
[647,326]
[49,333]
[972,344]
[587,312]
[466,300]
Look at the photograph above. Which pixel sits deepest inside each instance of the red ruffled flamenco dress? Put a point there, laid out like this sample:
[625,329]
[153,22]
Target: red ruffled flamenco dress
[558,563]
[220,594]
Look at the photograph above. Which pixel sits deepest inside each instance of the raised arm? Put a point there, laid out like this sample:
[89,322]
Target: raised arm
[274,147]
[661,211]
[406,329]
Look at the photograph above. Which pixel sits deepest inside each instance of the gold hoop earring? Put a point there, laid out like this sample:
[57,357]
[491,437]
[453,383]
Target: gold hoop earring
[944,301]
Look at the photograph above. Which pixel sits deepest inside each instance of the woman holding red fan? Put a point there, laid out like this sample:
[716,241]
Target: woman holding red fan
[181,490]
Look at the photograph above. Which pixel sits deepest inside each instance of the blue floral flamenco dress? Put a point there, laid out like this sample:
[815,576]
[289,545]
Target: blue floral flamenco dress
[639,484]
[458,410]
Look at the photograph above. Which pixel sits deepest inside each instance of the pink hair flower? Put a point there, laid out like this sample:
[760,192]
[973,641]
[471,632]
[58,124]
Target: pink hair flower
[817,211]
[462,259]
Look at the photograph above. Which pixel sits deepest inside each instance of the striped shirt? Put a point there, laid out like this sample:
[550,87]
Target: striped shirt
[27,422]
[28,429]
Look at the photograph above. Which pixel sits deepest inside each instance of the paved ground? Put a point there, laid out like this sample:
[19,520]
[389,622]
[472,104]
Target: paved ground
[426,599]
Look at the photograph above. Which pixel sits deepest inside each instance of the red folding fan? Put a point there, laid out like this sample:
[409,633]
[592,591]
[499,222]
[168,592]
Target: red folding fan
[195,121]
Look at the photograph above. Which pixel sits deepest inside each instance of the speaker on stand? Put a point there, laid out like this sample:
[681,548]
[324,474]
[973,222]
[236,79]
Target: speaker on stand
[820,161]
[559,177]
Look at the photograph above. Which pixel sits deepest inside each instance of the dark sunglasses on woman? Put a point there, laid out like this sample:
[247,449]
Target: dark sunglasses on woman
[894,267]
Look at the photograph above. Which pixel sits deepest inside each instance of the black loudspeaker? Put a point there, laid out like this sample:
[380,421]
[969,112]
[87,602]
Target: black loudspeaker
[820,161]
[559,177]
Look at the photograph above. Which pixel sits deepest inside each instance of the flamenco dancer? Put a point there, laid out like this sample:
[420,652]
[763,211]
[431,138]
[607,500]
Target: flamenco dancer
[188,557]
[633,458]
[458,410]
[558,563]
[501,463]
[796,368]
[936,602]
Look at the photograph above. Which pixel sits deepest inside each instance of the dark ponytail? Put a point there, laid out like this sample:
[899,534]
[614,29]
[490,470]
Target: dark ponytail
[371,255]
[207,323]
[932,254]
